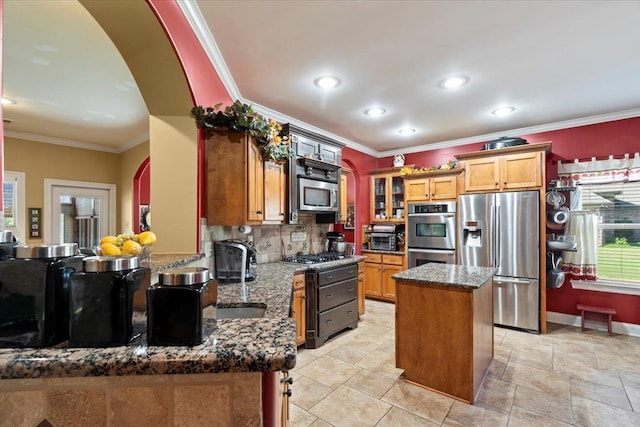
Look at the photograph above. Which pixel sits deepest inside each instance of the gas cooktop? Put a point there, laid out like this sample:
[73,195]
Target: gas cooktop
[315,258]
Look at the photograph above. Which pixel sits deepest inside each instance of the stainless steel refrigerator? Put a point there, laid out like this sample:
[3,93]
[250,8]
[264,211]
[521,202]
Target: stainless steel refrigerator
[501,230]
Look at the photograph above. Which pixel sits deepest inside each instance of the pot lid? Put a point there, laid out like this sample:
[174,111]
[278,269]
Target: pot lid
[183,276]
[97,264]
[46,250]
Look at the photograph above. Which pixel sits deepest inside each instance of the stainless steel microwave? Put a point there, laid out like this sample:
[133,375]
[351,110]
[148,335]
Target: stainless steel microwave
[317,196]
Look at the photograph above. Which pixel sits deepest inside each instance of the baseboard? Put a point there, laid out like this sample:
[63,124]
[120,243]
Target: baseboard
[571,320]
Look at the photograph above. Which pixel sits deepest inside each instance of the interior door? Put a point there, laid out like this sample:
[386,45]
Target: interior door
[77,212]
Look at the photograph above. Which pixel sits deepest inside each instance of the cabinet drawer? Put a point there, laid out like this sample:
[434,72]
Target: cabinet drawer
[337,274]
[333,295]
[337,318]
[377,258]
[392,259]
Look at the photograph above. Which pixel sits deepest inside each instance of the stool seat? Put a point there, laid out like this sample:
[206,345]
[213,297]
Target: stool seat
[593,309]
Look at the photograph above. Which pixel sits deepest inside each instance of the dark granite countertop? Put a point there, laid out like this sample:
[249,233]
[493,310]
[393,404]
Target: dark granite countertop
[233,345]
[458,276]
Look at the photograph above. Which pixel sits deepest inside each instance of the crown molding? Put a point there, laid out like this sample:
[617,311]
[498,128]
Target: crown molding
[76,144]
[268,112]
[584,121]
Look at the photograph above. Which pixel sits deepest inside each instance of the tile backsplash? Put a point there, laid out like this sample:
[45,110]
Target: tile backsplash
[272,241]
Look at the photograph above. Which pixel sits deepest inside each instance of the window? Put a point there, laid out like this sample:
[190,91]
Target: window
[606,207]
[14,206]
[618,242]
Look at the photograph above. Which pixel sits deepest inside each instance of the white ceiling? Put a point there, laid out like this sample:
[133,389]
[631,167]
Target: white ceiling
[560,63]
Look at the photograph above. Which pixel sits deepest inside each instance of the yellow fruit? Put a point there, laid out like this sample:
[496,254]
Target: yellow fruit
[110,249]
[131,248]
[108,239]
[147,238]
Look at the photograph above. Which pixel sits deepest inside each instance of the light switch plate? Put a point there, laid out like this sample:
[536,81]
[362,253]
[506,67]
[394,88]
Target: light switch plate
[298,236]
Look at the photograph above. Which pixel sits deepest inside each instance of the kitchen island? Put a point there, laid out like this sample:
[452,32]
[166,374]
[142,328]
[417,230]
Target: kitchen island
[220,382]
[444,327]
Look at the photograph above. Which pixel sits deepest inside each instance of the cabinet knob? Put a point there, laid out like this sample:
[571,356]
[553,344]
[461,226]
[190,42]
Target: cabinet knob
[496,184]
[433,194]
[288,380]
[505,183]
[287,393]
[259,212]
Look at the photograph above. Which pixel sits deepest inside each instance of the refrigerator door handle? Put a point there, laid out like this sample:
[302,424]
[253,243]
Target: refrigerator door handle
[496,245]
[503,280]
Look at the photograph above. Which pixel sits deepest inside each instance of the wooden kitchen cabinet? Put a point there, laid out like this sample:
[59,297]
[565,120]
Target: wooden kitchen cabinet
[342,214]
[438,185]
[514,168]
[378,269]
[299,307]
[361,295]
[235,179]
[275,193]
[387,195]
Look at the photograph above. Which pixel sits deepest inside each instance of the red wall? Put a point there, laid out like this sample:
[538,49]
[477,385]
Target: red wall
[616,137]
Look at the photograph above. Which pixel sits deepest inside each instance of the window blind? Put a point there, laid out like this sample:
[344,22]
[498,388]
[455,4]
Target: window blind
[618,207]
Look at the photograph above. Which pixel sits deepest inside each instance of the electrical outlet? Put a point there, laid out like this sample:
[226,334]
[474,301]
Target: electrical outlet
[298,236]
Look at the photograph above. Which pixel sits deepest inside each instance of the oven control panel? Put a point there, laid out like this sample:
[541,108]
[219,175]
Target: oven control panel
[432,208]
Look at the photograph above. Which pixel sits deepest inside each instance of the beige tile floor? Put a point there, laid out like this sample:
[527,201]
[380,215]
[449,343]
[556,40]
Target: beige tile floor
[565,377]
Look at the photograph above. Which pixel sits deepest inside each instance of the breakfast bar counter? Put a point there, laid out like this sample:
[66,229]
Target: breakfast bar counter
[225,380]
[444,327]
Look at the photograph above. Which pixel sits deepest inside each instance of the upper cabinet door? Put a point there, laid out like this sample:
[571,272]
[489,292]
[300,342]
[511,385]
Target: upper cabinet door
[306,147]
[521,170]
[275,192]
[482,174]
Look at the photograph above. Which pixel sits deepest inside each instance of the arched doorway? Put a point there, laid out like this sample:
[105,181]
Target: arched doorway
[142,197]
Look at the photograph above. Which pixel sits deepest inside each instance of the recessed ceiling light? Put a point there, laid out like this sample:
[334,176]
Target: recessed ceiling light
[503,111]
[406,131]
[375,111]
[7,101]
[453,82]
[326,82]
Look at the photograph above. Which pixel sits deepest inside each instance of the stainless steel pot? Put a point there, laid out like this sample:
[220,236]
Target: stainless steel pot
[555,278]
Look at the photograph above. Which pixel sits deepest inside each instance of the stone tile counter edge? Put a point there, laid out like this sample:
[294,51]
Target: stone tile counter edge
[235,345]
[447,275]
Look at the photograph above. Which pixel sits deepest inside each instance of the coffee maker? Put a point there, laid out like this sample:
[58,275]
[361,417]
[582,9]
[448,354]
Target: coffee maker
[235,261]
[335,242]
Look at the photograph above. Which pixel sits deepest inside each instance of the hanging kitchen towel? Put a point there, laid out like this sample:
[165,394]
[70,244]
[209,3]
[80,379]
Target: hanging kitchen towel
[581,264]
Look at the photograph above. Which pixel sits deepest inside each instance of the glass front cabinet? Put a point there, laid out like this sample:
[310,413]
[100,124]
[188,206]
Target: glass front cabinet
[387,196]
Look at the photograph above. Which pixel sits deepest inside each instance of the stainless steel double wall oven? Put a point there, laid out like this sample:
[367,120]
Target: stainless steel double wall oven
[431,233]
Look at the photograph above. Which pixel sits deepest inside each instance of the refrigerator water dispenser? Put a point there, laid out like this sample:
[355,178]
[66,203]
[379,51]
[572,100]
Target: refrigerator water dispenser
[472,234]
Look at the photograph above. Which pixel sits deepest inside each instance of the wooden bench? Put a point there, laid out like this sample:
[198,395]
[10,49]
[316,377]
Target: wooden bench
[601,310]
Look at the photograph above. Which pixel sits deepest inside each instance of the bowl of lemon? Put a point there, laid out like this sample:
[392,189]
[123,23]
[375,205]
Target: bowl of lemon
[130,244]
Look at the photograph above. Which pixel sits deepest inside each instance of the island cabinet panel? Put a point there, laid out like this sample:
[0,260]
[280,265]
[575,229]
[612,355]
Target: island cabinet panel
[444,336]
[235,180]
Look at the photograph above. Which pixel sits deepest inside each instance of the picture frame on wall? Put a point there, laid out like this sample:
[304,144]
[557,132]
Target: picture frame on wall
[350,222]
